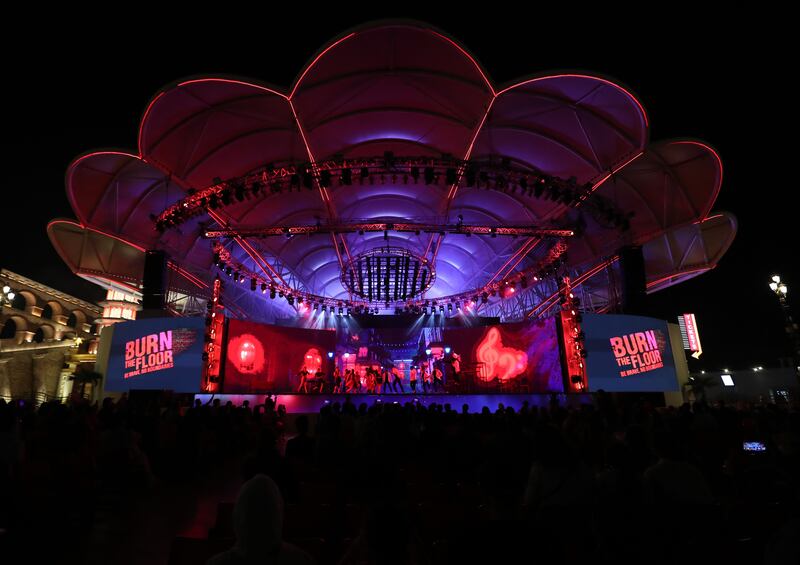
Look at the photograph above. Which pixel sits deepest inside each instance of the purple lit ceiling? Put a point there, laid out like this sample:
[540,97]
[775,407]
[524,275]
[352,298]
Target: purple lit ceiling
[410,90]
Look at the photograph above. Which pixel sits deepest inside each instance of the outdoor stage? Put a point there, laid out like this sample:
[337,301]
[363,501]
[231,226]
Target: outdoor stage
[311,403]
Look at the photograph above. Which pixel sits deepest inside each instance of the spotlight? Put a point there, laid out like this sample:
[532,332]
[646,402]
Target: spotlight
[308,179]
[415,174]
[428,351]
[272,293]
[330,354]
[447,350]
[429,175]
[341,310]
[325,178]
[450,307]
[470,175]
[290,299]
[252,284]
[364,172]
[485,297]
[236,276]
[228,271]
[347,177]
[450,176]
[441,308]
[263,288]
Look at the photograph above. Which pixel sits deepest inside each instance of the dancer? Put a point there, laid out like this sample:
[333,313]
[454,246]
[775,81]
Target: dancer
[303,374]
[398,380]
[426,378]
[412,375]
[456,368]
[437,378]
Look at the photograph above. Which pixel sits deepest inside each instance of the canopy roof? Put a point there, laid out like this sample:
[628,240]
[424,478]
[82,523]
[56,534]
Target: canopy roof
[407,91]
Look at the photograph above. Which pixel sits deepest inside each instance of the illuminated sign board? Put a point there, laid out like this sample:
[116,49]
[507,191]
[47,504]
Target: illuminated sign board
[628,354]
[156,353]
[691,338]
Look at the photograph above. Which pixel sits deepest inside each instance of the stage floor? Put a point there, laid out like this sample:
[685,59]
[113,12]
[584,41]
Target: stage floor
[311,403]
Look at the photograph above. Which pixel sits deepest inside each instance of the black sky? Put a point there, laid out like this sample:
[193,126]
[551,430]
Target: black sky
[723,80]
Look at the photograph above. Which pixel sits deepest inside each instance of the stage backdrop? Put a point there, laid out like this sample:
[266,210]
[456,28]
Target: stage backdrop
[520,357]
[628,354]
[156,354]
[262,358]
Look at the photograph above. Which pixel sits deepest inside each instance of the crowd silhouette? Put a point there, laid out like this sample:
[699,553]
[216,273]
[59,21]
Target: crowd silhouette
[615,481]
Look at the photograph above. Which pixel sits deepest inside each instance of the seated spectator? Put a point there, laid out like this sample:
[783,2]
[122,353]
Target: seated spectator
[671,480]
[301,446]
[258,523]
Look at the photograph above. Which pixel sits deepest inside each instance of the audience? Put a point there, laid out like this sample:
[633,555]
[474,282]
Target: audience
[409,483]
[258,523]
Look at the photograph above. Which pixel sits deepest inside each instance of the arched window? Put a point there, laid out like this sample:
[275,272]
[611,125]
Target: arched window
[72,321]
[19,302]
[47,312]
[9,329]
[38,335]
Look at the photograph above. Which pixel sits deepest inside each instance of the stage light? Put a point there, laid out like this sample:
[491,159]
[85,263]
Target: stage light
[315,306]
[485,297]
[330,354]
[308,179]
[415,174]
[263,288]
[441,308]
[450,176]
[341,310]
[325,178]
[429,175]
[290,299]
[450,307]
[228,271]
[6,289]
[364,173]
[236,276]
[10,295]
[447,350]
[347,176]
[272,293]
[252,284]
[428,351]
[470,175]
[346,356]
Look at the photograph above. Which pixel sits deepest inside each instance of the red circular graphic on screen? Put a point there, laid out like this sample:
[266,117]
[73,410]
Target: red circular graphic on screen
[312,361]
[246,353]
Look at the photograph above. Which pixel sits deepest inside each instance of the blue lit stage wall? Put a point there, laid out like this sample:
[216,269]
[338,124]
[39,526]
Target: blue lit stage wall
[522,357]
[628,354]
[156,354]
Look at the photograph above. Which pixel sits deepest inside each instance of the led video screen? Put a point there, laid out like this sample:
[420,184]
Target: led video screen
[628,354]
[521,357]
[156,354]
[262,358]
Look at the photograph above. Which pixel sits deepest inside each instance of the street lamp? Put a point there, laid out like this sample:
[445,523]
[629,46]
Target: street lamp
[781,289]
[6,296]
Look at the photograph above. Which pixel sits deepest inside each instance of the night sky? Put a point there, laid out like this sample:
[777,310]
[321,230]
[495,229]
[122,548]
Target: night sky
[85,87]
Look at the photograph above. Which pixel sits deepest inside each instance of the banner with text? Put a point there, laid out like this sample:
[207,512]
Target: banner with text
[156,354]
[628,354]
